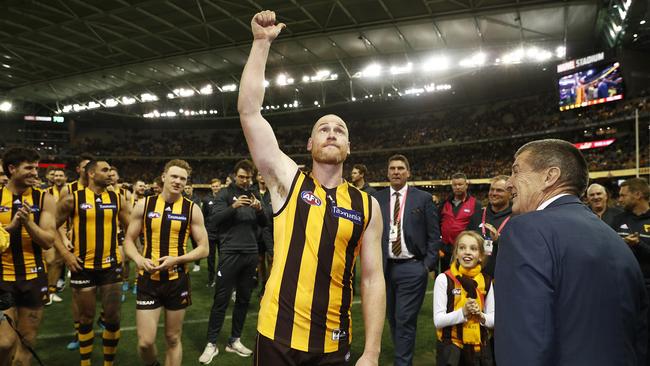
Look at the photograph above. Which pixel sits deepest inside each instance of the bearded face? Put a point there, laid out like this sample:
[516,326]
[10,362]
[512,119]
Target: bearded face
[329,142]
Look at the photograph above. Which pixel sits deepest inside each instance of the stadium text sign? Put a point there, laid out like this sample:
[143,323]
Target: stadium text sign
[56,119]
[570,65]
[594,144]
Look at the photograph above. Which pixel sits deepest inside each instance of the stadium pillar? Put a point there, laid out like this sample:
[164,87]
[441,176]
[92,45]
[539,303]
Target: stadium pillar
[636,132]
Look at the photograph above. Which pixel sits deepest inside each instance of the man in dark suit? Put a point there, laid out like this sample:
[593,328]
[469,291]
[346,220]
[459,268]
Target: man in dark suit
[568,291]
[410,243]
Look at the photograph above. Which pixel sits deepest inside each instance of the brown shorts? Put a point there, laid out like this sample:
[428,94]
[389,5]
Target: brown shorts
[170,294]
[93,278]
[27,293]
[271,353]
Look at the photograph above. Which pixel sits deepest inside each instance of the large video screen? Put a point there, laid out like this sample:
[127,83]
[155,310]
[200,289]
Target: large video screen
[596,85]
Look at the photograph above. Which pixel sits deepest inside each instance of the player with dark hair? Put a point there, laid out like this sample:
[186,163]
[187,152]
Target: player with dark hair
[96,262]
[27,214]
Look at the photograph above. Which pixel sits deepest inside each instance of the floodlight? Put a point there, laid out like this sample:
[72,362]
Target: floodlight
[372,70]
[206,90]
[126,100]
[110,103]
[283,80]
[436,64]
[148,97]
[478,59]
[229,87]
[404,69]
[5,106]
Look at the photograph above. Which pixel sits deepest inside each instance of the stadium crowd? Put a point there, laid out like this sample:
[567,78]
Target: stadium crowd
[436,142]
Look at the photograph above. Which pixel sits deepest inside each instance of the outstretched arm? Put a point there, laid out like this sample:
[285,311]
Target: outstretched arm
[277,168]
[373,288]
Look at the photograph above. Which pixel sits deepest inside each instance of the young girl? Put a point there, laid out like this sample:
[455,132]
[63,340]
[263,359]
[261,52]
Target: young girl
[463,306]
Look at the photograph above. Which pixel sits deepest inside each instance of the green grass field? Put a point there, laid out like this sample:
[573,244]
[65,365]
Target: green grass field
[56,331]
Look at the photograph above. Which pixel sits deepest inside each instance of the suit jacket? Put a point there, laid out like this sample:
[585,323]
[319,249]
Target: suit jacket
[420,225]
[568,292]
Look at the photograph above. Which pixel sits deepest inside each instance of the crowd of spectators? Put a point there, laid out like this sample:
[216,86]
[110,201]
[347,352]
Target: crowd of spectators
[479,141]
[459,124]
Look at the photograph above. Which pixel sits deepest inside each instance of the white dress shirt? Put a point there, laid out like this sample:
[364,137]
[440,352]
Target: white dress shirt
[403,193]
[550,200]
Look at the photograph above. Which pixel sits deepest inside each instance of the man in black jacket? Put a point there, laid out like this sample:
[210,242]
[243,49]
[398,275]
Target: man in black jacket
[238,215]
[633,224]
[209,211]
[358,178]
[264,233]
[492,220]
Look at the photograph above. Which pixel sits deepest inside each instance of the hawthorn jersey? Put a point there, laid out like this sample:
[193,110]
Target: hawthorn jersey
[94,228]
[24,258]
[317,236]
[166,228]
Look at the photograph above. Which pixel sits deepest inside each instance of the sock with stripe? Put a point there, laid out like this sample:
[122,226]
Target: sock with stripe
[76,331]
[110,338]
[86,338]
[51,289]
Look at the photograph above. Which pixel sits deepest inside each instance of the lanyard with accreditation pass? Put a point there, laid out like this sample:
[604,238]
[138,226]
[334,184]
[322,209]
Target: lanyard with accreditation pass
[488,244]
[392,233]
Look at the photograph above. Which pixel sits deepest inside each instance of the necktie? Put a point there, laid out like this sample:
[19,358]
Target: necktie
[397,244]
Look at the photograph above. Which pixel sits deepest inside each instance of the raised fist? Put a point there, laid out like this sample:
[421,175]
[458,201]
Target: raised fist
[264,27]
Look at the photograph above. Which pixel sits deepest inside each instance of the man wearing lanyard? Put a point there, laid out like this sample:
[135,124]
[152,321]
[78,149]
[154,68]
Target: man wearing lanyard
[410,244]
[493,219]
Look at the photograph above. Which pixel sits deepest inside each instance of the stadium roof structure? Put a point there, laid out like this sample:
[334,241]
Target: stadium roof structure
[75,51]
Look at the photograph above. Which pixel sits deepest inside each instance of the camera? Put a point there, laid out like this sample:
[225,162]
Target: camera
[6,302]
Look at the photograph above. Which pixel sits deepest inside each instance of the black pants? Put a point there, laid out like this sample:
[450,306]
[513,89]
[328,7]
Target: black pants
[234,271]
[212,255]
[271,353]
[450,355]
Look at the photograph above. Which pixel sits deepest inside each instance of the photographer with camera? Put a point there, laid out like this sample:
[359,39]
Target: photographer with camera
[27,214]
[238,214]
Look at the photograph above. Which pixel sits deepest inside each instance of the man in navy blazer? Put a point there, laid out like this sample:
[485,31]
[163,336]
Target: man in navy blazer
[568,291]
[410,244]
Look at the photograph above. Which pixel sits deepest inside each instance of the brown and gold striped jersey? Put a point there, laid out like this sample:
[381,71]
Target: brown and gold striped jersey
[24,258]
[94,228]
[317,235]
[166,228]
[74,186]
[55,191]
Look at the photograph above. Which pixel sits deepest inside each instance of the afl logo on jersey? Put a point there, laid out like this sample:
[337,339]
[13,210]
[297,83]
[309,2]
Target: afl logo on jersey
[85,206]
[310,198]
[5,209]
[153,215]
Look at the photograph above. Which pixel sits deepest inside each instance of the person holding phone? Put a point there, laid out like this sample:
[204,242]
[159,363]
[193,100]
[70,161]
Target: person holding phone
[238,215]
[633,224]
